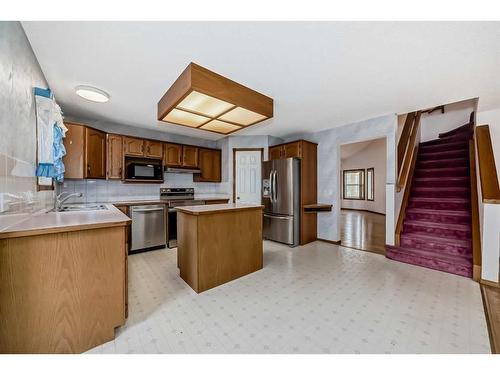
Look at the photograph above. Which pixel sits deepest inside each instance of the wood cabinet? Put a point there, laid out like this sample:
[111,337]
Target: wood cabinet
[85,152]
[142,147]
[287,150]
[210,166]
[114,160]
[133,146]
[189,156]
[307,152]
[95,153]
[275,152]
[172,155]
[153,149]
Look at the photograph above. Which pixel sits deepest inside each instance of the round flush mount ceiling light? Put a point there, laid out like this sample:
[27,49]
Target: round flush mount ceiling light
[91,93]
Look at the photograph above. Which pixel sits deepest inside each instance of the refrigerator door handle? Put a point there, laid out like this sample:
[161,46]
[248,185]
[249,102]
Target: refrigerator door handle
[271,185]
[279,217]
[275,190]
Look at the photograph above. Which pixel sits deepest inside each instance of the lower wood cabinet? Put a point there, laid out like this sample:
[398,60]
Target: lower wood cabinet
[210,166]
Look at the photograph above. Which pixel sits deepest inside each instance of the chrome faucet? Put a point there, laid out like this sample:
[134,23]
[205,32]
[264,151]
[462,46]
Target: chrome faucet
[58,202]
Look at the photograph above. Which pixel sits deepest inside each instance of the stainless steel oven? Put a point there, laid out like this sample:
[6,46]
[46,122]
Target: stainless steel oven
[176,197]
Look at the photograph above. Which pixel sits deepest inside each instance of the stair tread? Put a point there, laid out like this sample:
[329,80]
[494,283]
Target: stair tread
[433,199]
[418,210]
[443,257]
[443,160]
[441,188]
[434,224]
[447,240]
[426,147]
[446,178]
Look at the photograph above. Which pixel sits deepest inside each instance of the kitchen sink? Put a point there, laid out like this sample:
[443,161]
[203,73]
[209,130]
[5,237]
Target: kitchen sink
[82,207]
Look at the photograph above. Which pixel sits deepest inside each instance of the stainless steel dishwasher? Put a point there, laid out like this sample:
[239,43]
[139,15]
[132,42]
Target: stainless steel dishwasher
[148,227]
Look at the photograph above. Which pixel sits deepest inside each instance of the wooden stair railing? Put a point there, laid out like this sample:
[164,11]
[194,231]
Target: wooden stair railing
[411,149]
[490,190]
[476,233]
[407,158]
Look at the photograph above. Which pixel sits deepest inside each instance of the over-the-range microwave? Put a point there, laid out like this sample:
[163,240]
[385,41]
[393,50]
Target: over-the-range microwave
[143,169]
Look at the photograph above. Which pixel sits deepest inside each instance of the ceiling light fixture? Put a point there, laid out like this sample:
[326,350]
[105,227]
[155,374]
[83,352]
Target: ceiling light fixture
[205,100]
[92,93]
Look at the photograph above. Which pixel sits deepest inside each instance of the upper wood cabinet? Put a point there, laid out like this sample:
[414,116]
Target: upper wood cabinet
[114,159]
[142,147]
[153,149]
[275,152]
[287,150]
[189,156]
[133,146]
[293,150]
[172,155]
[95,153]
[85,152]
[210,166]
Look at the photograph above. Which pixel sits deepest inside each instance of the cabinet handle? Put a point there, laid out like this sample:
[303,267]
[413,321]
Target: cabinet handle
[149,149]
[88,169]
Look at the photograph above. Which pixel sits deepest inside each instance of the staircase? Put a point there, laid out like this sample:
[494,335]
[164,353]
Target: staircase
[437,223]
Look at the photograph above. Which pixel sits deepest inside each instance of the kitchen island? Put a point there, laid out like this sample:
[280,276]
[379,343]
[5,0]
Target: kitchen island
[218,243]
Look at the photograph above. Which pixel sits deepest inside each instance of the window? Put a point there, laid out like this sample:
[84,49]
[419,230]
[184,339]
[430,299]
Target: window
[370,184]
[354,184]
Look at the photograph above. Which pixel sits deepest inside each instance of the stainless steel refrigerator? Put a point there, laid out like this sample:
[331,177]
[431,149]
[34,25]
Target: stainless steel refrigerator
[281,200]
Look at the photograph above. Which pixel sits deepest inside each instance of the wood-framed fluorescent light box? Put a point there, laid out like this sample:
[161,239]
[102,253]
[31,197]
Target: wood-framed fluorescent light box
[205,100]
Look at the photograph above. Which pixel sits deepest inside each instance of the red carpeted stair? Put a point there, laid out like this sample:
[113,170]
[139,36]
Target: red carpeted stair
[437,226]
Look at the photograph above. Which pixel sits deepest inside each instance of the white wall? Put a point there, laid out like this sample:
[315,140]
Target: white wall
[372,155]
[329,142]
[20,73]
[455,115]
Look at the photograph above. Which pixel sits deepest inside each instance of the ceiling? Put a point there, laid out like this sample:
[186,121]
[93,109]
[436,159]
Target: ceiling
[320,74]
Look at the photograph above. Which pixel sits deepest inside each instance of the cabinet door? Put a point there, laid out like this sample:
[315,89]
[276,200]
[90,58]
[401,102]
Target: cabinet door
[133,146]
[210,166]
[275,152]
[74,144]
[172,156]
[293,150]
[95,153]
[114,158]
[153,149]
[190,156]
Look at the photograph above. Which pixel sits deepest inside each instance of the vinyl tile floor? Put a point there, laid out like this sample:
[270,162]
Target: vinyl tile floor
[318,298]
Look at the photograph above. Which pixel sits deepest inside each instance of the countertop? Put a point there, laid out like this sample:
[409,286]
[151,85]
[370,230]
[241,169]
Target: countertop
[154,200]
[217,208]
[45,222]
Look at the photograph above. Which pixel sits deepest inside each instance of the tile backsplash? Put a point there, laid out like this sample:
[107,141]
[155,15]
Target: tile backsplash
[113,190]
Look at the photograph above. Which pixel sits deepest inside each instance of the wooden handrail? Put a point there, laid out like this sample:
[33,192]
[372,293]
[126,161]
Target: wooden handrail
[476,233]
[409,155]
[490,190]
[403,140]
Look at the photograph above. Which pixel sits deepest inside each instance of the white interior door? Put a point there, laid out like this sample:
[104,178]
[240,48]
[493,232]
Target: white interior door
[248,176]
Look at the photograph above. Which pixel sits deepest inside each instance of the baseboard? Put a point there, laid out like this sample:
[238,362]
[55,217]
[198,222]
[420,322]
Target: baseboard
[489,283]
[356,209]
[329,241]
